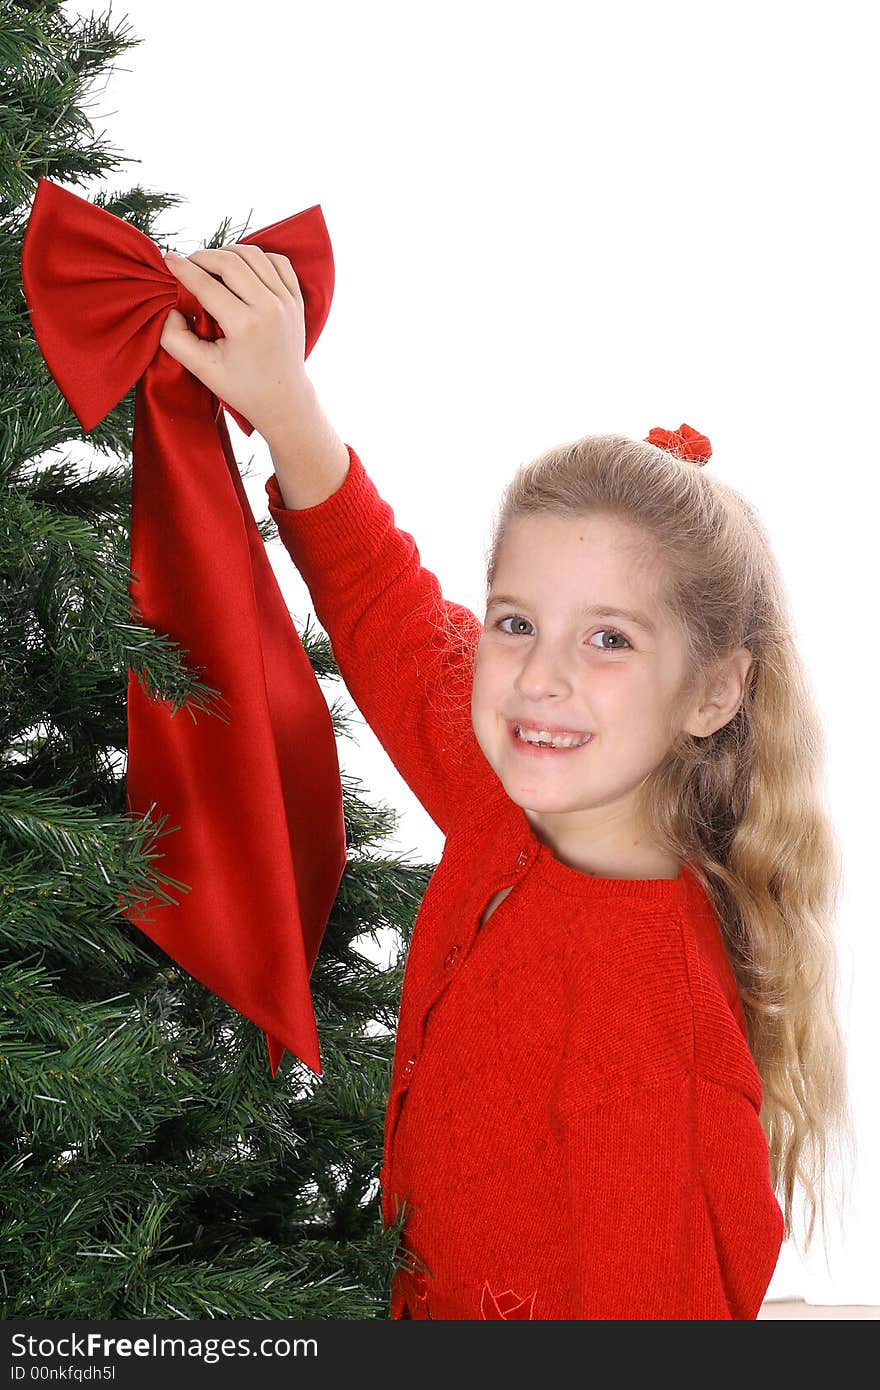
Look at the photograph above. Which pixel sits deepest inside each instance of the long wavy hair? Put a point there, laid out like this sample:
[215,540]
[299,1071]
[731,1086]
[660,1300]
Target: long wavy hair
[744,805]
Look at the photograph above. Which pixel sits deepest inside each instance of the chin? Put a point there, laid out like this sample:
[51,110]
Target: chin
[534,798]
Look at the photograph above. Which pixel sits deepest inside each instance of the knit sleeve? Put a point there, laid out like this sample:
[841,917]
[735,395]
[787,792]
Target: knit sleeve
[405,653]
[673,1215]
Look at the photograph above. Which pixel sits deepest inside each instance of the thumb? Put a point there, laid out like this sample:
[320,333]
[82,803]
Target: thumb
[187,347]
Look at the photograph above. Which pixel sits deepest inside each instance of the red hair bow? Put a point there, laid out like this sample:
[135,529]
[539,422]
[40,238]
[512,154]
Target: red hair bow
[685,443]
[254,798]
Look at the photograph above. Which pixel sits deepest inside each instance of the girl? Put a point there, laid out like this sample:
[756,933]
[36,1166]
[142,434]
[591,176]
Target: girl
[617,1037]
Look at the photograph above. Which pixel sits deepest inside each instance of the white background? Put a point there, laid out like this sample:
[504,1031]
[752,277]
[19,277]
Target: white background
[555,220]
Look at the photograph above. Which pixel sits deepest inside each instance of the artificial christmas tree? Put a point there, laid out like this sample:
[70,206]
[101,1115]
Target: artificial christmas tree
[149,1164]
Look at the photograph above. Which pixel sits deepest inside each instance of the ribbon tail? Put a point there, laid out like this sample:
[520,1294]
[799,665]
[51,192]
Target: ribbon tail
[276,1052]
[254,796]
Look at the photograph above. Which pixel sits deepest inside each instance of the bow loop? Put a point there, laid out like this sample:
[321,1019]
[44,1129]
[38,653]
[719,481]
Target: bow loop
[98,293]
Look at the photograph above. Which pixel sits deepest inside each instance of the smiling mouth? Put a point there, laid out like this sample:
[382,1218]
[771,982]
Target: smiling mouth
[539,738]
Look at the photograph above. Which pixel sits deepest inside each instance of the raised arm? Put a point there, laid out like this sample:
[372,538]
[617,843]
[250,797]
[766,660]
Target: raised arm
[405,653]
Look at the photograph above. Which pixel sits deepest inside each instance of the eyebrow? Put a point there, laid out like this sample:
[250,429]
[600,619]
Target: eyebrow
[591,610]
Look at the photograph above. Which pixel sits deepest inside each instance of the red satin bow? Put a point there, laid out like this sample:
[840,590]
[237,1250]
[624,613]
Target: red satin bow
[685,443]
[256,793]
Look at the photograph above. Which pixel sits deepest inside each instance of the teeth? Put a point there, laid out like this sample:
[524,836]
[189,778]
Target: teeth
[545,739]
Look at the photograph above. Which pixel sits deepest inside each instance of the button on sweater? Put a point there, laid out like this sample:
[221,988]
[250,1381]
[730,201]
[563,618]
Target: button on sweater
[573,1119]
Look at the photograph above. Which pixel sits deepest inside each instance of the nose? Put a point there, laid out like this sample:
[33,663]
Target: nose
[541,674]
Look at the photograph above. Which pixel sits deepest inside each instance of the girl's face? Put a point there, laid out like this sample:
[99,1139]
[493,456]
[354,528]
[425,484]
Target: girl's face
[544,658]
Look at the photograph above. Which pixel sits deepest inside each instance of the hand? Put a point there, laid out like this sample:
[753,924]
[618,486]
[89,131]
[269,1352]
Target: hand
[258,366]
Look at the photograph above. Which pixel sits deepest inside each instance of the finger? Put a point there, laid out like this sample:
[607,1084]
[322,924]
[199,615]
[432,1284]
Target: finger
[222,282]
[247,288]
[259,262]
[287,273]
[196,354]
[273,268]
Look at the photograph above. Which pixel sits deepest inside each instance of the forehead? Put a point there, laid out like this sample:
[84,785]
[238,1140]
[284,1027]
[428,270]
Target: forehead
[596,566]
[582,551]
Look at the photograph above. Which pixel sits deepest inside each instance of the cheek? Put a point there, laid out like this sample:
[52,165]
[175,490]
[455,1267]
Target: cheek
[491,685]
[625,700]
[485,702]
[481,691]
[485,664]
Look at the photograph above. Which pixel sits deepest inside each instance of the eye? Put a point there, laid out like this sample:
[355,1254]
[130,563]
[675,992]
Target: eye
[613,633]
[511,617]
[518,618]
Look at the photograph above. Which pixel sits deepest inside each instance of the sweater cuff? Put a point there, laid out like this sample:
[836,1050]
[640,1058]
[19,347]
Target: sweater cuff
[329,526]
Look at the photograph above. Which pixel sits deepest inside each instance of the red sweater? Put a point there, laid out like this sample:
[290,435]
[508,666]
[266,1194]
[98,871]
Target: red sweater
[574,1111]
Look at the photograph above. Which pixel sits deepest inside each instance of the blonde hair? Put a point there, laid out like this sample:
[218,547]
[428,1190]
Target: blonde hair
[742,805]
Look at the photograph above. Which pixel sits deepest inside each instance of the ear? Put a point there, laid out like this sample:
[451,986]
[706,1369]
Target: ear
[723,697]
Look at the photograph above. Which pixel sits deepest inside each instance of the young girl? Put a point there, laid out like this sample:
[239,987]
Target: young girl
[617,1037]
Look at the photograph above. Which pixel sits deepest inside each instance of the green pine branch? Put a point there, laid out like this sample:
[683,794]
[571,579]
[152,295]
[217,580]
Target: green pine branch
[150,1167]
